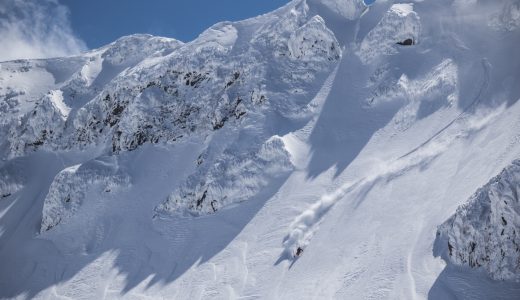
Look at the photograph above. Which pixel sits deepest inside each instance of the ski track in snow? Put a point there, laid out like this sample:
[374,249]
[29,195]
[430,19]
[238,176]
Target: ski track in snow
[305,225]
[486,68]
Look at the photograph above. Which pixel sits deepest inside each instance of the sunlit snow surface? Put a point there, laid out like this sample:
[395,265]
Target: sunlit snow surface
[301,154]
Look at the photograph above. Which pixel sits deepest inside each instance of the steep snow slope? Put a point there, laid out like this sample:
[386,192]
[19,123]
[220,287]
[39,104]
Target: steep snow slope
[300,154]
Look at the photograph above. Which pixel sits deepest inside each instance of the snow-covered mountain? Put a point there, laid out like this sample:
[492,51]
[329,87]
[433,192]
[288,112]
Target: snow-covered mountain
[324,150]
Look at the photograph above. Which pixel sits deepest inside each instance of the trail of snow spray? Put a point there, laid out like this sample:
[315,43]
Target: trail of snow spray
[303,228]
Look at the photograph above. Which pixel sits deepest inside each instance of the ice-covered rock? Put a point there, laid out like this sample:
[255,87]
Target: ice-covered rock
[74,184]
[314,41]
[42,126]
[35,88]
[400,24]
[230,179]
[237,172]
[485,232]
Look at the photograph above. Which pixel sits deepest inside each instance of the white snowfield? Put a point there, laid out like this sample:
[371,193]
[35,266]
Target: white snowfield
[325,150]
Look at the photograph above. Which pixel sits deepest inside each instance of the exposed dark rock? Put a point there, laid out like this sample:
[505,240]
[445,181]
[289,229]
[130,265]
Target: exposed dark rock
[201,200]
[407,42]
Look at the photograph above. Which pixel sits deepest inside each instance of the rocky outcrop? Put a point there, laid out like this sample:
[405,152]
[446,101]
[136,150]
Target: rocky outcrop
[399,24]
[73,185]
[314,41]
[485,232]
[230,179]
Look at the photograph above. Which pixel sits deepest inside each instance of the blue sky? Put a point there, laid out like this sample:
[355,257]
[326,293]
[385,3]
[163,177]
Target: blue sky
[52,28]
[99,22]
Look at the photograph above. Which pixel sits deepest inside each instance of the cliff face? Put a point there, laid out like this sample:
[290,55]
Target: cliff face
[483,233]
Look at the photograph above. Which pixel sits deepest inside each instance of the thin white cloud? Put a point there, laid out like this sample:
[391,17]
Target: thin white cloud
[36,29]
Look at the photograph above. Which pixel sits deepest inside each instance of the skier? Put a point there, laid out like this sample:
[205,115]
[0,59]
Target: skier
[299,252]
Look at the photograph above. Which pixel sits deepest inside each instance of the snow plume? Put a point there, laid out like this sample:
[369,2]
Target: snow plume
[36,29]
[305,225]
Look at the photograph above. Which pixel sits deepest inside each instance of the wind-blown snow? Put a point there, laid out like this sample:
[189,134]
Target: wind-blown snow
[37,29]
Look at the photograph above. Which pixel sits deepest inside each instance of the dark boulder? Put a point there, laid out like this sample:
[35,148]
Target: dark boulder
[407,42]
